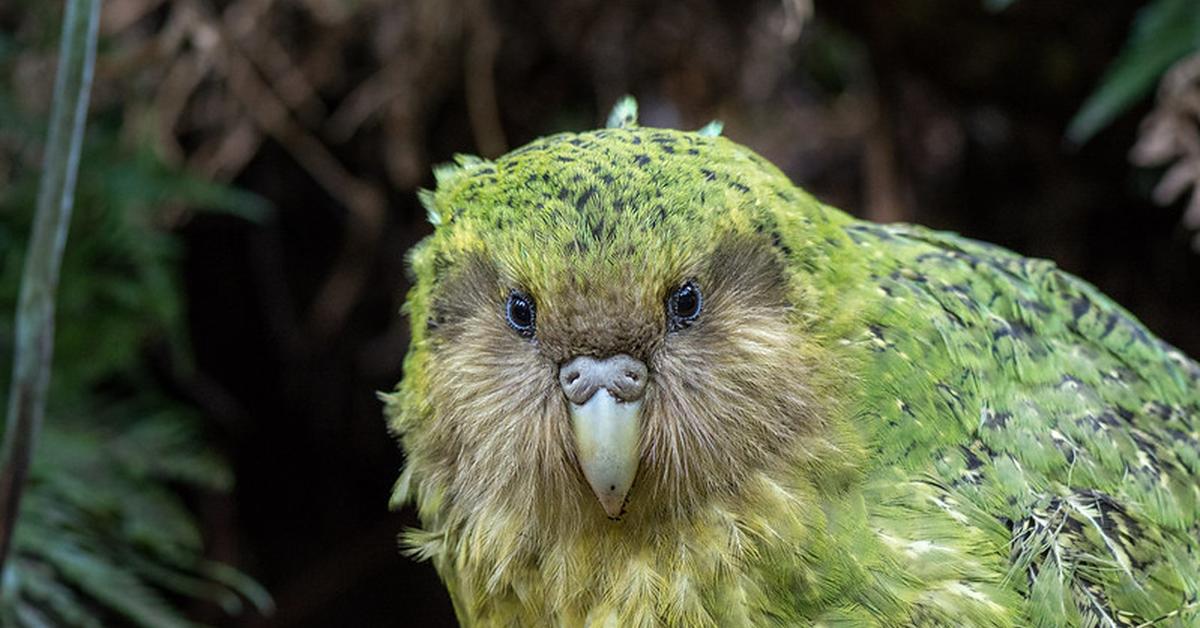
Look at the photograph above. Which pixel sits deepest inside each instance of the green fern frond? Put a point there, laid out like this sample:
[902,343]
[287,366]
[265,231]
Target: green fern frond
[100,533]
[104,535]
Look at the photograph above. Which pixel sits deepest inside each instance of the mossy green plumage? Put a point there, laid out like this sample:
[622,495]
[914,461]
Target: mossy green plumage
[875,425]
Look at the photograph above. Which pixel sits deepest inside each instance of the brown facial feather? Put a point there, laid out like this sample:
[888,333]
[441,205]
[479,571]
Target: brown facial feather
[726,395]
[729,391]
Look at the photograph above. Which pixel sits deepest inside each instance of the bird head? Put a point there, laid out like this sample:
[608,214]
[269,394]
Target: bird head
[613,325]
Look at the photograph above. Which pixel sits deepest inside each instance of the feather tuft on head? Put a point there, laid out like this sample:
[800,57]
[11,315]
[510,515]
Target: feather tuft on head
[712,129]
[427,201]
[624,114]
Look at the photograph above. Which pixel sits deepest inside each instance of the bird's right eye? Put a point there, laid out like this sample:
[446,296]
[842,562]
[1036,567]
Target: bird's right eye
[521,313]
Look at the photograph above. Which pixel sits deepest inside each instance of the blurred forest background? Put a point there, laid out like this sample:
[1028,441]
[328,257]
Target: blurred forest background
[234,272]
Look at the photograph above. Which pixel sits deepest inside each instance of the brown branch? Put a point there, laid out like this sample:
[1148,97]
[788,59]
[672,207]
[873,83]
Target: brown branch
[223,157]
[483,41]
[1170,134]
[118,15]
[367,98]
[244,22]
[365,202]
[180,82]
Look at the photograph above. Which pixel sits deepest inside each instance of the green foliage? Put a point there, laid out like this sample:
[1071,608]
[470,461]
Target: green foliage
[1164,32]
[101,527]
[119,273]
[104,535]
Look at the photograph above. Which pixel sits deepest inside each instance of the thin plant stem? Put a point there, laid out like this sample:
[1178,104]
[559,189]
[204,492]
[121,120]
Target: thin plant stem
[35,309]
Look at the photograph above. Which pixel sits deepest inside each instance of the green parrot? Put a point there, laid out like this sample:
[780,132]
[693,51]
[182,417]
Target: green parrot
[652,382]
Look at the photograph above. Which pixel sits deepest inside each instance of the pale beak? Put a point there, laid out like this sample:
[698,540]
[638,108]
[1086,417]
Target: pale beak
[606,441]
[606,412]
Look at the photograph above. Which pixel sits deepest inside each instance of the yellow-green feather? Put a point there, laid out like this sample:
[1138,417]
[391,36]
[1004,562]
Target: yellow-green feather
[1001,444]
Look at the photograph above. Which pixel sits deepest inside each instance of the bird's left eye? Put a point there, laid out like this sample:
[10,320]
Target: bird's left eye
[521,313]
[684,305]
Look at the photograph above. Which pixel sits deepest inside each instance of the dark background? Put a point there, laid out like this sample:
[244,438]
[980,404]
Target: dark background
[941,112]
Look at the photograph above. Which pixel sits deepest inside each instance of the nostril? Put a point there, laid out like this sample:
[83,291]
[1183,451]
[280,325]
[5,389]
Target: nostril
[621,375]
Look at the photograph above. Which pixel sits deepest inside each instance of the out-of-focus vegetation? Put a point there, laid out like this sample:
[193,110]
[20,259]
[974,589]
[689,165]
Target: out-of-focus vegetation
[103,533]
[248,192]
[1163,32]
[1163,48]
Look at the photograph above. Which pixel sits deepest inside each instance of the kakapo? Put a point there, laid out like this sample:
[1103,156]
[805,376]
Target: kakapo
[652,382]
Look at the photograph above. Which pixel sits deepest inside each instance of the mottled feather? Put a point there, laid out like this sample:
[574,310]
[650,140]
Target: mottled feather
[874,425]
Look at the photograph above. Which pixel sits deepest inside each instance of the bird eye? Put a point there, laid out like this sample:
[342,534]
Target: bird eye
[521,313]
[683,306]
